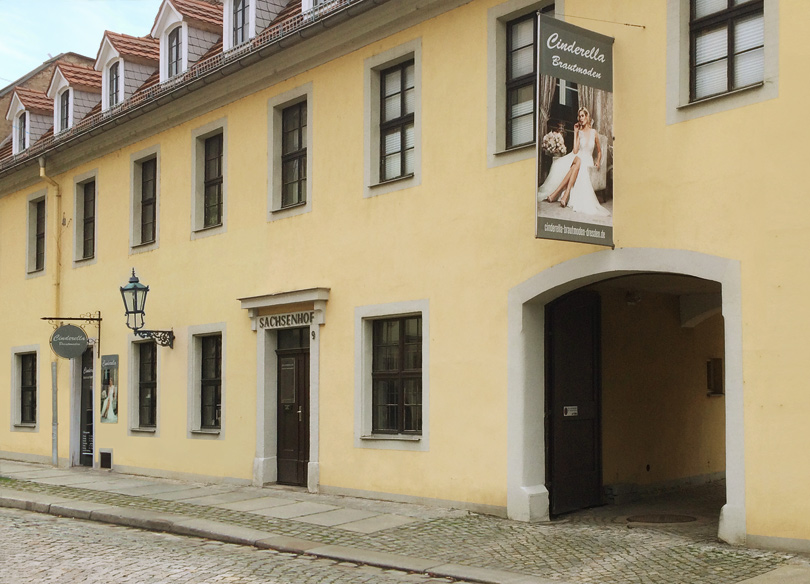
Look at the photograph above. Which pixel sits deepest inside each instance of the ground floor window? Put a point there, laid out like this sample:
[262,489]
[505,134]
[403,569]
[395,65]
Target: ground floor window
[397,376]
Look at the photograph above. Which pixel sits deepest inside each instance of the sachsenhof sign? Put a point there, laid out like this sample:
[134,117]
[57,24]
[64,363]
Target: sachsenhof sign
[575,134]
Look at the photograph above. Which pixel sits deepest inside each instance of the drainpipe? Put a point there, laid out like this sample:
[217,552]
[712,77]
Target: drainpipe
[57,284]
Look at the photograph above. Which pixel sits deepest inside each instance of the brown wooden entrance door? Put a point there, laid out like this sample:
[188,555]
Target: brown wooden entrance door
[573,388]
[86,411]
[293,405]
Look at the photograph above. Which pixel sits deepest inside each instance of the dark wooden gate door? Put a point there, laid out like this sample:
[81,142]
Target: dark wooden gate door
[293,406]
[86,411]
[573,402]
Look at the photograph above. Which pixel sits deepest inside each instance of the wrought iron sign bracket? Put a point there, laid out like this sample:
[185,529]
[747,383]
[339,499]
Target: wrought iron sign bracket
[88,318]
[162,338]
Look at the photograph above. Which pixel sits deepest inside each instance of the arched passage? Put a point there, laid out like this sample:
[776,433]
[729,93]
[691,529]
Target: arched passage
[528,496]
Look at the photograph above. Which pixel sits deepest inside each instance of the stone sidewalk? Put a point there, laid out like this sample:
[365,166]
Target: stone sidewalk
[601,546]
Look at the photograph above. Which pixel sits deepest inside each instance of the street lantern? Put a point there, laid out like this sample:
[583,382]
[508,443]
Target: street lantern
[134,296]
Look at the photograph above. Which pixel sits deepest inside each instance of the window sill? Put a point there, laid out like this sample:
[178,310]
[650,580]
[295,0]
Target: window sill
[383,183]
[143,244]
[288,207]
[532,145]
[207,431]
[711,98]
[713,394]
[399,437]
[144,430]
[26,425]
[207,228]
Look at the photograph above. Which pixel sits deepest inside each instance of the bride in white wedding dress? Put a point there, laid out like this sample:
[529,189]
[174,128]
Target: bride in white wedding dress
[569,177]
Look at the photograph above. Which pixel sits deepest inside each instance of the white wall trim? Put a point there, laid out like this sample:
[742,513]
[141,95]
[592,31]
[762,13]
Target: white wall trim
[527,496]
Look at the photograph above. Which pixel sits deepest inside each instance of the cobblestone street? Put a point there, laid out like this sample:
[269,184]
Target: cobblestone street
[37,548]
[606,545]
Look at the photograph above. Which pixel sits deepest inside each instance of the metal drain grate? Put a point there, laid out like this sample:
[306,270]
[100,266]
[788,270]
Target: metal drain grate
[661,518]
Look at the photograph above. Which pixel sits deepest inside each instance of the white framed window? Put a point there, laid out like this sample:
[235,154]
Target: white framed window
[392,380]
[21,132]
[206,374]
[290,153]
[64,111]
[25,378]
[510,78]
[144,413]
[84,224]
[721,55]
[393,119]
[209,181]
[115,83]
[36,240]
[174,52]
[145,198]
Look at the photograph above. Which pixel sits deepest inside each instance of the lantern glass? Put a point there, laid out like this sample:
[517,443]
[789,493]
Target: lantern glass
[134,296]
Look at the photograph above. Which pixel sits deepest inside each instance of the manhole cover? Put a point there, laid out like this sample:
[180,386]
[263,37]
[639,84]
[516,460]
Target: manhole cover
[661,518]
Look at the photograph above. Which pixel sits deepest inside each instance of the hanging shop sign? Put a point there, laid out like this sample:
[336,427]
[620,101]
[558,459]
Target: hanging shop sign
[69,341]
[289,320]
[574,133]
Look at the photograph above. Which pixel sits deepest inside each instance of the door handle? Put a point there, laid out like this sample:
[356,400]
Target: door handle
[299,413]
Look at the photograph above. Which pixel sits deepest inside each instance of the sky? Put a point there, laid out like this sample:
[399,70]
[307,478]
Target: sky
[33,31]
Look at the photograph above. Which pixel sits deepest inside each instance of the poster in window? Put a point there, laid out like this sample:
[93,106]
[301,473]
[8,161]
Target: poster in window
[109,389]
[575,134]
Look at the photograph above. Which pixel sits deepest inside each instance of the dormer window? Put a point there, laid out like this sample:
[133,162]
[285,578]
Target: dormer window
[187,30]
[64,110]
[241,18]
[175,55]
[22,132]
[113,84]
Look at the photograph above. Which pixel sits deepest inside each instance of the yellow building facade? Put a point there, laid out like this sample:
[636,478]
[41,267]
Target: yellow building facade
[336,219]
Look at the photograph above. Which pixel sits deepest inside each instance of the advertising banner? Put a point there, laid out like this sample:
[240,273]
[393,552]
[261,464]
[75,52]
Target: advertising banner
[109,389]
[574,133]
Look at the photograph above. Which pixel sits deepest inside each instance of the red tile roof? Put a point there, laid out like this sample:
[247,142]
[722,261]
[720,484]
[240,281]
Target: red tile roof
[200,11]
[140,48]
[46,135]
[293,7]
[153,79]
[215,49]
[34,101]
[6,148]
[84,78]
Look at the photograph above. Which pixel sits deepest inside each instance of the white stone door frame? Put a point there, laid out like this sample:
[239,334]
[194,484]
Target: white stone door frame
[527,495]
[265,462]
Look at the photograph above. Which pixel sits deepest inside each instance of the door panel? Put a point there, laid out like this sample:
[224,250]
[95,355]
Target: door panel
[573,402]
[293,406]
[86,411]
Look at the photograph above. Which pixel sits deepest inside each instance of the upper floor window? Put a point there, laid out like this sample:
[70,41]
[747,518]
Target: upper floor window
[521,80]
[88,219]
[397,100]
[148,200]
[294,154]
[37,236]
[64,110]
[727,46]
[114,82]
[240,21]
[175,55]
[212,200]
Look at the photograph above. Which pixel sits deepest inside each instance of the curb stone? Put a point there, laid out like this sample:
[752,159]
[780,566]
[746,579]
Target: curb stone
[202,528]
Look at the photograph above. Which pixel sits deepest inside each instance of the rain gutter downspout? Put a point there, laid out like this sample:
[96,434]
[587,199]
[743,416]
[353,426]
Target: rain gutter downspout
[57,284]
